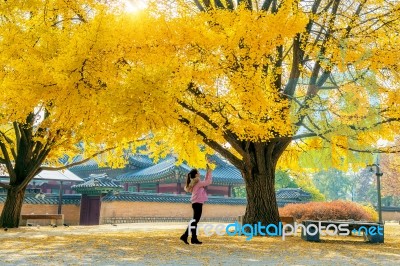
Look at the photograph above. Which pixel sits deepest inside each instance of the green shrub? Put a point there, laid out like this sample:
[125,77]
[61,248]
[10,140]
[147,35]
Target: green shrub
[335,210]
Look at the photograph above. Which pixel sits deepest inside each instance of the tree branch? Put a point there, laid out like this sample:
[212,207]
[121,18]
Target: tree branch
[219,4]
[305,135]
[361,150]
[248,4]
[232,139]
[17,135]
[199,6]
[46,168]
[290,87]
[230,5]
[389,120]
[8,163]
[214,145]
[266,5]
[280,147]
[201,114]
[11,143]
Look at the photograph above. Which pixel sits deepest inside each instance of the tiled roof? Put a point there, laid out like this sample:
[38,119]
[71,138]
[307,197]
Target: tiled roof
[62,175]
[283,202]
[293,193]
[226,175]
[140,161]
[136,160]
[89,165]
[174,198]
[52,199]
[142,197]
[99,176]
[97,183]
[166,169]
[218,160]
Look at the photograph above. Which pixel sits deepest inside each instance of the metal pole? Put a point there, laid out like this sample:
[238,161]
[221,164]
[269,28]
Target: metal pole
[60,197]
[378,174]
[378,181]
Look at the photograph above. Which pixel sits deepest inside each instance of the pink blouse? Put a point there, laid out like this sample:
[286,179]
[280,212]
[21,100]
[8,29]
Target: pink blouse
[199,194]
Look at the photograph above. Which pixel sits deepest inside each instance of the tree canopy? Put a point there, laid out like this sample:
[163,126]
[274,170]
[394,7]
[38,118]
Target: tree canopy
[265,82]
[245,73]
[257,82]
[62,84]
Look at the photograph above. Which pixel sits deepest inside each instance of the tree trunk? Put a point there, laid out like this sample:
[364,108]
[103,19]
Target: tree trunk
[259,175]
[12,208]
[261,200]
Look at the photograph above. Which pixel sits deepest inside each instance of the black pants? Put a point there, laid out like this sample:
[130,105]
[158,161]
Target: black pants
[197,210]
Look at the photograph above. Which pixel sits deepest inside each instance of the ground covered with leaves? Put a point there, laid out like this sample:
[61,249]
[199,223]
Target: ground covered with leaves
[159,244]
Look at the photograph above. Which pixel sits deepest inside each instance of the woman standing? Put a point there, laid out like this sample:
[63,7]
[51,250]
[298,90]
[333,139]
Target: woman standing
[199,196]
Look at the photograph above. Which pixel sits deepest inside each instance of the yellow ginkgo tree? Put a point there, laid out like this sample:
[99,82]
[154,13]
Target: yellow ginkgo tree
[261,82]
[61,87]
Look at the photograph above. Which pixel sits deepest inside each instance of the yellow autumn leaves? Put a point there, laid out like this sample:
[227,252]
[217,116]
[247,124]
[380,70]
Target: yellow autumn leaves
[224,53]
[106,76]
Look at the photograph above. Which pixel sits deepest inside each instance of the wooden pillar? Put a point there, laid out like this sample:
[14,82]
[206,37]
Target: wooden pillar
[229,191]
[126,186]
[178,188]
[138,187]
[157,187]
[60,196]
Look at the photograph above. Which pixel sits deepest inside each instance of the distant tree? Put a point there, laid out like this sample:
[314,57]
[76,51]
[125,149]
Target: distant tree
[304,181]
[334,184]
[284,180]
[363,187]
[390,166]
[239,192]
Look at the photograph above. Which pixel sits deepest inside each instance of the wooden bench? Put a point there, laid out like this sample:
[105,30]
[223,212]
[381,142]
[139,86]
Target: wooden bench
[52,217]
[373,232]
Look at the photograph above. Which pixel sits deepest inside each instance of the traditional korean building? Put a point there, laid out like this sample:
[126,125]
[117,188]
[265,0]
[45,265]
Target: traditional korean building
[105,201]
[167,177]
[143,175]
[92,191]
[140,191]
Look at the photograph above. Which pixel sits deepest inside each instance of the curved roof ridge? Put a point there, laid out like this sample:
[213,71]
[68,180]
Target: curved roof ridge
[160,167]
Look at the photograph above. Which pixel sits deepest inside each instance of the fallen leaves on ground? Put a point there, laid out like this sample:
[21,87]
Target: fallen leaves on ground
[75,246]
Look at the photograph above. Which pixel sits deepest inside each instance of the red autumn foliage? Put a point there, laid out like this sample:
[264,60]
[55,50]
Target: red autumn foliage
[335,210]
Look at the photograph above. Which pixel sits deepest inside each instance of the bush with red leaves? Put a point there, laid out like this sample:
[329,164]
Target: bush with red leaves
[335,210]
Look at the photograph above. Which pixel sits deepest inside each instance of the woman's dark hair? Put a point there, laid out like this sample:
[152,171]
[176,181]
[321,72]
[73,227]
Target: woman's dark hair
[191,175]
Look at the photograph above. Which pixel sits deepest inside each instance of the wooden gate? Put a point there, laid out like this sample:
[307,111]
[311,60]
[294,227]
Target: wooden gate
[90,210]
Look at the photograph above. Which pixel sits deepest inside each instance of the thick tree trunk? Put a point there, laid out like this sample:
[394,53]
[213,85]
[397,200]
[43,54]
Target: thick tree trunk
[259,175]
[261,200]
[12,208]
[28,154]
